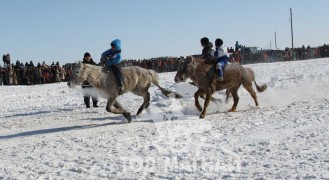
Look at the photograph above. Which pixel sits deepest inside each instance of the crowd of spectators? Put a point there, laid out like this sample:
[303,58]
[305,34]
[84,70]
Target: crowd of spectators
[288,54]
[29,74]
[162,64]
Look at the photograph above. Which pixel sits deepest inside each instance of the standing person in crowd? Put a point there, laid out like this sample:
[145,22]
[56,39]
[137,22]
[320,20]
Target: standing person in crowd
[46,75]
[8,59]
[10,75]
[63,73]
[15,78]
[4,59]
[31,64]
[41,78]
[58,78]
[18,63]
[222,57]
[237,46]
[87,89]
[68,73]
[112,58]
[36,76]
[2,72]
[28,76]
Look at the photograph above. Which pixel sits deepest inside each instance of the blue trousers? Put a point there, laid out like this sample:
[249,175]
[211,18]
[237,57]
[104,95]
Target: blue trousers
[221,62]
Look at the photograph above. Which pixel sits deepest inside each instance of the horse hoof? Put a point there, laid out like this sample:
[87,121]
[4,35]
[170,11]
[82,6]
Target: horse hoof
[202,116]
[232,110]
[127,116]
[199,109]
[108,110]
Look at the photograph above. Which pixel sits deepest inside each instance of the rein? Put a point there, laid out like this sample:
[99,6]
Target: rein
[99,76]
[100,73]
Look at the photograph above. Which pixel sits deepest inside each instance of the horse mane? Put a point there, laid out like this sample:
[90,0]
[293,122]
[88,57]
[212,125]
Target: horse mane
[93,66]
[199,65]
[199,61]
[101,67]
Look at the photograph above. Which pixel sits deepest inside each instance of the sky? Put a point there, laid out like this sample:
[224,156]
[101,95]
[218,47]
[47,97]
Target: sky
[63,30]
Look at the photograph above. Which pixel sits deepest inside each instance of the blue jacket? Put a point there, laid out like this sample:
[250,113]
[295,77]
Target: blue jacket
[114,56]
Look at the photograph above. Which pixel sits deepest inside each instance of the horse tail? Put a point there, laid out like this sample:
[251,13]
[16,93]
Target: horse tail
[261,88]
[155,81]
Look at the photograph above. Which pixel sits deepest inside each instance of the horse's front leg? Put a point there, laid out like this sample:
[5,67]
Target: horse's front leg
[125,113]
[111,108]
[196,99]
[206,104]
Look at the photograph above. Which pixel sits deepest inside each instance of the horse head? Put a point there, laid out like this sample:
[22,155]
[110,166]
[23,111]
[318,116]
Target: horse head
[184,69]
[79,75]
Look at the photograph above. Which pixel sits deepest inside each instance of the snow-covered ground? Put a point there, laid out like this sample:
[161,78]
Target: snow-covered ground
[46,132]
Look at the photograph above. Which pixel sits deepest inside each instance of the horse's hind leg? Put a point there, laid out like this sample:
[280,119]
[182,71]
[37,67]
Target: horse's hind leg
[235,95]
[249,88]
[146,102]
[228,92]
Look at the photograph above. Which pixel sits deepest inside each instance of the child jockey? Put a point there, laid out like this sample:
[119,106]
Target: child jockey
[222,57]
[112,58]
[207,51]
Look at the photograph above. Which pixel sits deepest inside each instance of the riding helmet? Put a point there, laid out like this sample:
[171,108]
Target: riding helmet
[204,41]
[218,42]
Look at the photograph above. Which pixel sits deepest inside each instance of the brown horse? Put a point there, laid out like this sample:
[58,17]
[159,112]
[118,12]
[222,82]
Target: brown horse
[234,76]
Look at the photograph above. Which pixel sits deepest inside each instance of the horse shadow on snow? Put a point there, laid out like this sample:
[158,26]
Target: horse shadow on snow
[55,130]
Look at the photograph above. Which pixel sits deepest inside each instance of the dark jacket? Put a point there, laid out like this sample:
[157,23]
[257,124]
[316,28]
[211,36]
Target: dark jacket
[208,54]
[86,84]
[8,58]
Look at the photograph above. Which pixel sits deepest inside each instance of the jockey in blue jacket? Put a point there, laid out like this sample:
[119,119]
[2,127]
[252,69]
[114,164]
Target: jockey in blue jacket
[222,57]
[112,58]
[113,55]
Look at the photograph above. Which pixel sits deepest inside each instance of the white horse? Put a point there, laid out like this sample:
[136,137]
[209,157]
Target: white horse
[136,80]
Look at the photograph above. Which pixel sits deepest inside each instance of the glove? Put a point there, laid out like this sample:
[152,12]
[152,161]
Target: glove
[110,57]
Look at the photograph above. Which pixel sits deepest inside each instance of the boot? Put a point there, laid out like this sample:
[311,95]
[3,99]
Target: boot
[219,72]
[95,101]
[87,101]
[118,74]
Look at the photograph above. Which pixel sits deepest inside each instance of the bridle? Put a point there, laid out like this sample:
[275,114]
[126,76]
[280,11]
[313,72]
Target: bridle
[79,77]
[189,66]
